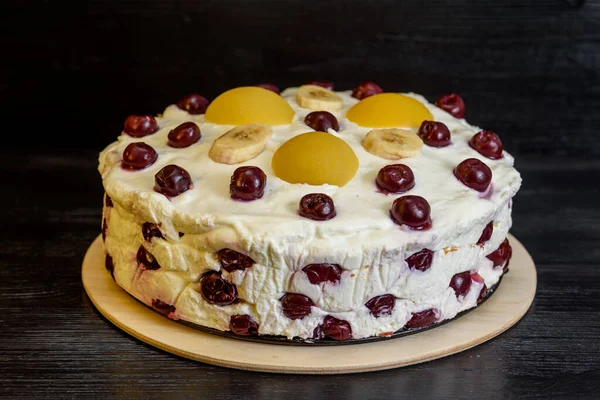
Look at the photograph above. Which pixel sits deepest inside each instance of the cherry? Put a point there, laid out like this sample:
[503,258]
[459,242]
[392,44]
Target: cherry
[295,306]
[247,183]
[110,265]
[477,278]
[146,259]
[243,325]
[270,87]
[434,134]
[381,305]
[474,174]
[162,307]
[395,178]
[184,135]
[452,104]
[108,201]
[486,234]
[324,84]
[138,156]
[216,290]
[488,144]
[333,328]
[366,89]
[317,206]
[140,125]
[461,283]
[150,230]
[322,121]
[501,255]
[482,294]
[193,104]
[318,273]
[231,260]
[412,211]
[104,229]
[172,180]
[422,319]
[421,260]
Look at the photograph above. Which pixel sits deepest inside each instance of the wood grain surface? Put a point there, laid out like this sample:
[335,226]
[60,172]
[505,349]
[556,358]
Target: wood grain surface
[72,71]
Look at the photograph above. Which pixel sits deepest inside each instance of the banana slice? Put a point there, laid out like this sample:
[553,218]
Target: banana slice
[318,98]
[240,144]
[392,144]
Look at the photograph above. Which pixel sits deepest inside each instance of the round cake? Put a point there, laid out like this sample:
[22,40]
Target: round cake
[308,214]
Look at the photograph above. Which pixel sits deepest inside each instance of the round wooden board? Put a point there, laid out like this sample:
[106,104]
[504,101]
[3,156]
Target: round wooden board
[508,304]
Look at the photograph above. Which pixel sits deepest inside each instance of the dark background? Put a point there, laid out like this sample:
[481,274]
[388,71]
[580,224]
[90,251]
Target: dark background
[72,71]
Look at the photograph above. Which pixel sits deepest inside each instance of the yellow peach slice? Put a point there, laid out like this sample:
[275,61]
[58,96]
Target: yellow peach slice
[389,110]
[315,158]
[247,105]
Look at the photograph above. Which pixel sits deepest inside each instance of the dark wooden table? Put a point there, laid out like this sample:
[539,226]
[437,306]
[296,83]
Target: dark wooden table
[54,344]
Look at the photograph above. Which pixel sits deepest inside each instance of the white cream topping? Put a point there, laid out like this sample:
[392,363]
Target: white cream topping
[270,231]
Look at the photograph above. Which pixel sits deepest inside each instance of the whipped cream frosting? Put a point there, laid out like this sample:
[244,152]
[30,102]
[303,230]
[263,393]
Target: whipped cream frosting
[362,238]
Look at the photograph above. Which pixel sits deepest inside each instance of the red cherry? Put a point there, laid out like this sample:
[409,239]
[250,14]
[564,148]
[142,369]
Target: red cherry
[231,260]
[333,328]
[184,135]
[269,86]
[477,278]
[482,294]
[501,255]
[162,307]
[486,234]
[381,305]
[295,306]
[138,156]
[422,319]
[395,178]
[318,273]
[243,325]
[193,104]
[110,265]
[452,104]
[150,230]
[461,283]
[434,134]
[324,84]
[104,229]
[421,260]
[247,183]
[108,201]
[322,121]
[366,89]
[216,290]
[488,144]
[146,259]
[412,211]
[140,125]
[474,174]
[172,180]
[317,206]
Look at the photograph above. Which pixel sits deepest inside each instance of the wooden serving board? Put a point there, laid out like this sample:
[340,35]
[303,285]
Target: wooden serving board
[508,304]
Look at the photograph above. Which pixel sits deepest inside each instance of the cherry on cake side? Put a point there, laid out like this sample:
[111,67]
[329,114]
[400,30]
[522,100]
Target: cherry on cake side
[138,126]
[381,305]
[322,121]
[150,230]
[317,206]
[194,104]
[162,307]
[184,135]
[474,174]
[107,200]
[501,255]
[172,180]
[421,260]
[366,89]
[295,306]
[333,328]
[243,325]
[395,178]
[486,234]
[422,319]
[216,290]
[461,283]
[247,183]
[146,259]
[411,211]
[453,104]
[232,260]
[109,264]
[319,273]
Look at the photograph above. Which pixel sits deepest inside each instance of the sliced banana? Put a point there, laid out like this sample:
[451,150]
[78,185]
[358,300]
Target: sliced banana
[392,144]
[240,144]
[318,98]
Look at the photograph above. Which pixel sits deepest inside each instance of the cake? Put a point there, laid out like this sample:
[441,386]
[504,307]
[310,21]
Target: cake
[308,214]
